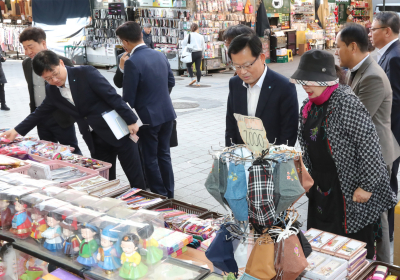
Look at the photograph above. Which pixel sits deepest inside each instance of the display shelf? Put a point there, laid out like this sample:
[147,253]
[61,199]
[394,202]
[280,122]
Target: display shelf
[33,248]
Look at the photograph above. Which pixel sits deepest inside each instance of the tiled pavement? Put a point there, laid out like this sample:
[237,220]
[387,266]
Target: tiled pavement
[199,129]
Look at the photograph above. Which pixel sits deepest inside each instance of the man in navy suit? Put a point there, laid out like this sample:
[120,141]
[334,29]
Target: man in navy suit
[147,77]
[83,93]
[260,92]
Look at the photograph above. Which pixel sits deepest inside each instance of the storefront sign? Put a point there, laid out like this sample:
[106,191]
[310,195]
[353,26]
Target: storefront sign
[146,3]
[253,133]
[162,3]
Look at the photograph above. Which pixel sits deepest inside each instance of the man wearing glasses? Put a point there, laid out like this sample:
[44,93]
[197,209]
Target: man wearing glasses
[384,35]
[86,95]
[259,92]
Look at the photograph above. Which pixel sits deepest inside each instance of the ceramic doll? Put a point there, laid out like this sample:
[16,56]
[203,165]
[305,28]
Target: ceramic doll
[21,223]
[71,240]
[32,272]
[6,217]
[109,253]
[38,225]
[53,233]
[154,254]
[132,266]
[88,246]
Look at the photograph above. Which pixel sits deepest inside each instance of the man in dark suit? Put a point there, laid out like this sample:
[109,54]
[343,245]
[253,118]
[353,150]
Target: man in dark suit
[59,127]
[147,77]
[86,95]
[384,35]
[3,80]
[259,92]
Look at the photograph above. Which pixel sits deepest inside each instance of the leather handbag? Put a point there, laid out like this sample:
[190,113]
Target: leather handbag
[263,250]
[304,177]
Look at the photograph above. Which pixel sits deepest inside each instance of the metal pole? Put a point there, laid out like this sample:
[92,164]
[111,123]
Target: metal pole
[384,4]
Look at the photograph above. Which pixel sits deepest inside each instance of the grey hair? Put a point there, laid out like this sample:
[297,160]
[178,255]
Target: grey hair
[389,19]
[147,25]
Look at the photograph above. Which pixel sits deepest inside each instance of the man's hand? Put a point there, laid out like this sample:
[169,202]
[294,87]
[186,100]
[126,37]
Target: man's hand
[133,129]
[361,196]
[10,134]
[124,58]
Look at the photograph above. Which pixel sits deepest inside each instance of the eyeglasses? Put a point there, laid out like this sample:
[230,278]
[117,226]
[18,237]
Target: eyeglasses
[244,67]
[54,75]
[373,29]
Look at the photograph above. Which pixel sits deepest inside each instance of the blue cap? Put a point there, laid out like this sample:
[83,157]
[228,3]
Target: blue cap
[109,233]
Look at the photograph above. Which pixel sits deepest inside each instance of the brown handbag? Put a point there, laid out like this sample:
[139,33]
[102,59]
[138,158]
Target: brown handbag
[290,261]
[261,261]
[304,177]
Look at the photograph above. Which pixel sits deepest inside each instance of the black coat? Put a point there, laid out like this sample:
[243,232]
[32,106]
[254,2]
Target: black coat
[63,119]
[3,79]
[390,62]
[93,95]
[148,39]
[277,107]
[262,20]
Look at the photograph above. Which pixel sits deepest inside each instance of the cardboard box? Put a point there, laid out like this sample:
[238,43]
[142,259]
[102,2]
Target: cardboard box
[281,52]
[302,49]
[396,247]
[196,256]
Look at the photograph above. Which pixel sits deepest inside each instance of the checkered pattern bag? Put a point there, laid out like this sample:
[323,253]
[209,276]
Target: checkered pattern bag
[260,195]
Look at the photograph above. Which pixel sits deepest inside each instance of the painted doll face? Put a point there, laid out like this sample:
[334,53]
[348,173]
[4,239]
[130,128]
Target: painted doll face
[18,206]
[36,216]
[87,233]
[105,242]
[4,204]
[67,232]
[52,222]
[128,247]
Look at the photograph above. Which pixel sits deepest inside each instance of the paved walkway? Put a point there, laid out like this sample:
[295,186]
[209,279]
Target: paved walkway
[199,128]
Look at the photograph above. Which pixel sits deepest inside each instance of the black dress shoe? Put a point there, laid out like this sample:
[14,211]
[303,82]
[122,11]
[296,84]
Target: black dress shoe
[4,107]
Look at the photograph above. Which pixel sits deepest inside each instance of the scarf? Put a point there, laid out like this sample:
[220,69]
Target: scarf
[319,99]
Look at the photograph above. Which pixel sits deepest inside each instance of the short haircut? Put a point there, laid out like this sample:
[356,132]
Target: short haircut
[130,31]
[147,25]
[356,33]
[32,33]
[45,61]
[389,19]
[194,27]
[247,40]
[236,30]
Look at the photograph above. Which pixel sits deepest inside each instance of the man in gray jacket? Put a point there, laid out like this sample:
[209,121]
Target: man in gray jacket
[147,36]
[370,83]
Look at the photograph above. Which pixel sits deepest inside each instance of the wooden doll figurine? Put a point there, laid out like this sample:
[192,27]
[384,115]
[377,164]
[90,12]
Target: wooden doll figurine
[6,217]
[52,234]
[21,222]
[71,240]
[154,254]
[88,246]
[109,252]
[38,225]
[132,267]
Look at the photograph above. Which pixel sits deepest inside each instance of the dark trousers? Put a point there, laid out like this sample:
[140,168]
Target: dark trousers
[196,58]
[50,130]
[395,187]
[128,155]
[2,94]
[155,146]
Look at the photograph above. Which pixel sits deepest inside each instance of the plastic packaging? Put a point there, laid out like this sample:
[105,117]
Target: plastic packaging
[107,203]
[69,195]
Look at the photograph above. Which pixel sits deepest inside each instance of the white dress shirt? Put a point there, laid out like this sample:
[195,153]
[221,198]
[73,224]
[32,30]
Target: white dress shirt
[382,51]
[253,94]
[355,68]
[133,50]
[66,91]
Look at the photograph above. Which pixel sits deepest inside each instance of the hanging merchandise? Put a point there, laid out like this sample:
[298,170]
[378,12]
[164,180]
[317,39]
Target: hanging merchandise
[236,191]
[212,183]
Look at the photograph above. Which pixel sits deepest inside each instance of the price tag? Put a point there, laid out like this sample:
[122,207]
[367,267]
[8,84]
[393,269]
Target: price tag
[253,133]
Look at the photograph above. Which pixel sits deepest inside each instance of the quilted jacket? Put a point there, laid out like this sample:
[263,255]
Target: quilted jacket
[355,149]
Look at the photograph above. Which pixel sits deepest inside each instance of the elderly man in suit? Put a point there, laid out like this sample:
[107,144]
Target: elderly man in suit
[370,83]
[59,127]
[86,95]
[259,92]
[384,35]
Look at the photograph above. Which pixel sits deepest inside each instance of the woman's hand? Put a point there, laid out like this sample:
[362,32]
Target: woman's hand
[361,196]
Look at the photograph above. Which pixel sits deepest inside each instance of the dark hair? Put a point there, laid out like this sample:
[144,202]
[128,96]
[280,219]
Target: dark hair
[194,27]
[146,231]
[32,33]
[389,19]
[356,33]
[131,238]
[130,31]
[340,74]
[242,41]
[54,215]
[45,61]
[236,30]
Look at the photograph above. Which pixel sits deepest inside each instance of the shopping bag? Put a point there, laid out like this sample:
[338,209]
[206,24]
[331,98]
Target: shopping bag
[212,182]
[305,178]
[261,262]
[186,56]
[236,191]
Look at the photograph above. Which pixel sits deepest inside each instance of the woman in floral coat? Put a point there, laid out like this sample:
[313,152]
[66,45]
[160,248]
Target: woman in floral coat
[341,152]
